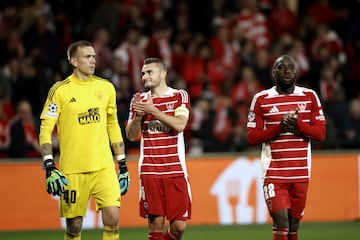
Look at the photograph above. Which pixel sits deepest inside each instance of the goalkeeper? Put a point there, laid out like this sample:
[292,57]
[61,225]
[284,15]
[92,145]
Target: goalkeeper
[83,108]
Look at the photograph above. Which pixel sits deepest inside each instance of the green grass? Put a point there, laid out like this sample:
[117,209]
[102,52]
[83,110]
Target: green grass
[308,231]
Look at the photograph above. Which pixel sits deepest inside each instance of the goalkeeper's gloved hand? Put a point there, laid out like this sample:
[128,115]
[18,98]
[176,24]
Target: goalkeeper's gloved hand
[55,180]
[123,175]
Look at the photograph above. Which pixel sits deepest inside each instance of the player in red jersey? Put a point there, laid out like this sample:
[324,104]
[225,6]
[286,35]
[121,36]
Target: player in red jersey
[284,119]
[161,114]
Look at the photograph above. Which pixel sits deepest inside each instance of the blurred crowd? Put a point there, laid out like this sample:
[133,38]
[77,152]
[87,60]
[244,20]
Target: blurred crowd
[221,51]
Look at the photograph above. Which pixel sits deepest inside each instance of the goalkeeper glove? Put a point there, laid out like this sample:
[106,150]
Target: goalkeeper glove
[123,175]
[55,180]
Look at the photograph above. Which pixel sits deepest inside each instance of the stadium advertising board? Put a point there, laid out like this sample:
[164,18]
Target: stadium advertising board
[225,190]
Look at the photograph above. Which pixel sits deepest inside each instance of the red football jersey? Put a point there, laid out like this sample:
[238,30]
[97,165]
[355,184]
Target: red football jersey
[287,156]
[162,149]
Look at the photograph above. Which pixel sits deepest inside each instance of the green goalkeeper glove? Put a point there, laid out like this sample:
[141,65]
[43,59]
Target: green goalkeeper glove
[124,177]
[55,180]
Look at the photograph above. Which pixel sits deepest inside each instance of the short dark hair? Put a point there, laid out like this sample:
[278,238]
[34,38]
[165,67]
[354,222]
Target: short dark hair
[75,45]
[155,60]
[280,58]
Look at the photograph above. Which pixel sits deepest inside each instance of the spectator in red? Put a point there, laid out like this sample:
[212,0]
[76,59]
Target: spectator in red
[282,19]
[132,54]
[321,11]
[246,87]
[222,128]
[226,50]
[104,55]
[326,38]
[194,66]
[6,113]
[252,24]
[159,45]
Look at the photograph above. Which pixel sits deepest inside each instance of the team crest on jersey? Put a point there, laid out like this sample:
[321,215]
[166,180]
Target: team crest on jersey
[302,107]
[251,116]
[170,106]
[99,95]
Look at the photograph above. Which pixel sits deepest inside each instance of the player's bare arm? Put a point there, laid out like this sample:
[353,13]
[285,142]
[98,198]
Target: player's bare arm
[46,149]
[133,127]
[118,148]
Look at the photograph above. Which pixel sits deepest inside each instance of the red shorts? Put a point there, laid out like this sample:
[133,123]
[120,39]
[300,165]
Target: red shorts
[290,196]
[170,197]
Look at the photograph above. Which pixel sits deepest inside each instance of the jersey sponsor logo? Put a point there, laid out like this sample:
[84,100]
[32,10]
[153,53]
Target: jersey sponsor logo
[91,116]
[157,127]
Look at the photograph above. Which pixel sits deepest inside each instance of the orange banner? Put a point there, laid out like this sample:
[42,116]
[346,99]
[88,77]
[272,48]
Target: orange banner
[225,190]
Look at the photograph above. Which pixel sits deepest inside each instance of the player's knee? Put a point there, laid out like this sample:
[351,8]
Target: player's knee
[110,216]
[294,224]
[73,226]
[280,219]
[178,228]
[111,221]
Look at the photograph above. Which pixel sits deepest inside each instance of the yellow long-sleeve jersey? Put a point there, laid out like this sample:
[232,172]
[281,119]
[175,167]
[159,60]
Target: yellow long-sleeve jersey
[86,117]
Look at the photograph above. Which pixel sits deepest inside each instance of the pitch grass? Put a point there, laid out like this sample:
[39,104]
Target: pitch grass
[308,231]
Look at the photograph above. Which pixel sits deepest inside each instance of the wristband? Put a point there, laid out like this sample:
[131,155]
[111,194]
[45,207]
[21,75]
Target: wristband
[120,157]
[47,157]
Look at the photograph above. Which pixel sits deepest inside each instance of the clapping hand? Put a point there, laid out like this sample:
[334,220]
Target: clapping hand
[288,123]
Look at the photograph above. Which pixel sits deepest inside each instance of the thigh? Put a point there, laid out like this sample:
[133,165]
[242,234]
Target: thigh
[276,196]
[298,194]
[151,197]
[74,200]
[105,188]
[178,198]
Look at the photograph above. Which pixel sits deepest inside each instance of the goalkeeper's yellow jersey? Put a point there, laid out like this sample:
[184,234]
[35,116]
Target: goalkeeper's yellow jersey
[86,117]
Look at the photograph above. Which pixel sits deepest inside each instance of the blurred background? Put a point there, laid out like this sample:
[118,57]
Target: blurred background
[221,51]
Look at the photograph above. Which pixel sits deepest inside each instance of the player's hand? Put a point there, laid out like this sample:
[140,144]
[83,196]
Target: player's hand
[124,177]
[288,123]
[55,180]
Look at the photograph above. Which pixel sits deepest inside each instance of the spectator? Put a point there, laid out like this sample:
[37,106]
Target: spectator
[24,132]
[245,88]
[6,114]
[104,55]
[199,132]
[352,133]
[261,66]
[283,20]
[253,24]
[321,11]
[131,52]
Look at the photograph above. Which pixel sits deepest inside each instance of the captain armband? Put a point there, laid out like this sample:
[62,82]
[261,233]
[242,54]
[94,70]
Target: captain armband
[182,111]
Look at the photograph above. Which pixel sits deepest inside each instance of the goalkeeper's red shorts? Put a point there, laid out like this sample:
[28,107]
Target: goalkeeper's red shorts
[170,197]
[290,196]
